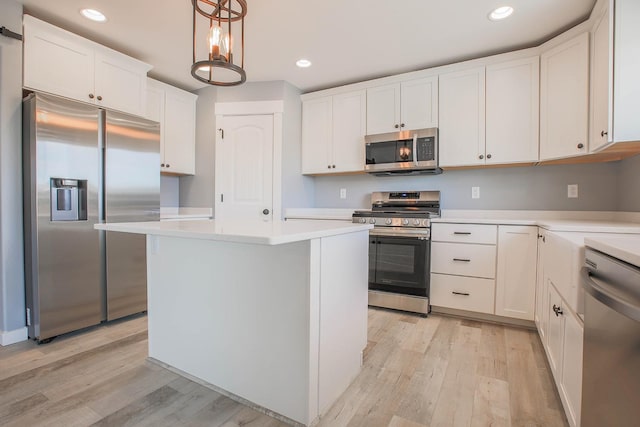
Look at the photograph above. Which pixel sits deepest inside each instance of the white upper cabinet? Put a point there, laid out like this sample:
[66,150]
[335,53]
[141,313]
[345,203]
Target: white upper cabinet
[462,117]
[615,88]
[402,106]
[175,109]
[564,99]
[512,104]
[59,62]
[333,129]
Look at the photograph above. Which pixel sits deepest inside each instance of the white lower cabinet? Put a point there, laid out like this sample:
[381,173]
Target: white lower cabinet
[463,266]
[516,275]
[561,329]
[462,293]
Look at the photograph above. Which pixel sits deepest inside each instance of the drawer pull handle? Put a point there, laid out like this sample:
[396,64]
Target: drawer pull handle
[466,294]
[464,233]
[462,259]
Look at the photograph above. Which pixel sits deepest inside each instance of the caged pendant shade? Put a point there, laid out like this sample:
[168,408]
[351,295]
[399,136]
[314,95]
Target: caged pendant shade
[213,51]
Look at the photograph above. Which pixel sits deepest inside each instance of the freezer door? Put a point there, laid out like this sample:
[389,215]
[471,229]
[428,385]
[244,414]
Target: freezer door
[132,193]
[62,257]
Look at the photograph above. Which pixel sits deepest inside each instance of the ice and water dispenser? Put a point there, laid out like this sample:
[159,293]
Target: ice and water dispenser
[68,199]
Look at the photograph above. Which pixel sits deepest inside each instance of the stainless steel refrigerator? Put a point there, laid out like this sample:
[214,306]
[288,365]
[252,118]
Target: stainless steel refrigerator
[84,165]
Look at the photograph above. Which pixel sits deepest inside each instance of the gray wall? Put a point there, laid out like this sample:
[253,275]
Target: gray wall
[629,185]
[530,188]
[169,191]
[12,305]
[197,191]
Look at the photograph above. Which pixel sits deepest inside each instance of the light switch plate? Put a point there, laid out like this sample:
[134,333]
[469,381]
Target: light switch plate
[572,191]
[343,193]
[475,192]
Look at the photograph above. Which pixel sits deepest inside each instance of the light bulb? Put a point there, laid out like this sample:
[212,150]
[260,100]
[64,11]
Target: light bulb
[215,40]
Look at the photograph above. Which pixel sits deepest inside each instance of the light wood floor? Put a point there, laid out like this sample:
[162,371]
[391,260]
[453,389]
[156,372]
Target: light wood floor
[439,371]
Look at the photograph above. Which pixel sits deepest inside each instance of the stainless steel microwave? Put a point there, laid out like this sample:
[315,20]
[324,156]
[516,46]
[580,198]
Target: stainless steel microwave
[407,152]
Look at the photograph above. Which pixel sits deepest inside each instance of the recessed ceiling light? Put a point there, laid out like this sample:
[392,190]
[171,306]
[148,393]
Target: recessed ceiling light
[303,63]
[501,13]
[94,15]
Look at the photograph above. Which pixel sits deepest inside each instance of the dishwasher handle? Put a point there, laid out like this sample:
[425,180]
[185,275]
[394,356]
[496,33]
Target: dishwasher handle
[615,302]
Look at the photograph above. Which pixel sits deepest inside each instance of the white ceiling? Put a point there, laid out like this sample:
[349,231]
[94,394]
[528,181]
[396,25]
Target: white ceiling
[347,40]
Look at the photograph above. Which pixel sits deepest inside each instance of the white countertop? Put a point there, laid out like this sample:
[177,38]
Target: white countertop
[319,213]
[255,232]
[559,221]
[625,248]
[185,213]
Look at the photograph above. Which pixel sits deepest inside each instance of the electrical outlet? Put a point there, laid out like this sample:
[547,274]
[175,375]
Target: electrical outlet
[572,191]
[343,193]
[475,192]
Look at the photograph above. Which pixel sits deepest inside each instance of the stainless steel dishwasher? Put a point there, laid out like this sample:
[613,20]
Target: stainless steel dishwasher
[611,369]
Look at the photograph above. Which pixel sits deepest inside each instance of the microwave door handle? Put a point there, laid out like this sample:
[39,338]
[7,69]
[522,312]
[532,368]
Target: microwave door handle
[415,149]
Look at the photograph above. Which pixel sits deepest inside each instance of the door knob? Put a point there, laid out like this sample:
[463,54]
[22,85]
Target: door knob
[481,156]
[265,212]
[488,156]
[91,96]
[581,145]
[99,98]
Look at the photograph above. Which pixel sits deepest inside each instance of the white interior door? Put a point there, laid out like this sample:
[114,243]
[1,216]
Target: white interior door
[244,168]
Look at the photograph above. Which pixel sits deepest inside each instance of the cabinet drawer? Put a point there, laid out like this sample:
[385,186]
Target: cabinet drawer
[464,233]
[464,260]
[462,293]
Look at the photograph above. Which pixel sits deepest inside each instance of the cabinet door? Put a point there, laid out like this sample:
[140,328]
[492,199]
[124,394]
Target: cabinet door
[56,61]
[541,288]
[564,99]
[155,111]
[419,104]
[317,134]
[572,367]
[179,131]
[349,123]
[600,84]
[555,331]
[120,83]
[516,275]
[461,101]
[512,122]
[383,109]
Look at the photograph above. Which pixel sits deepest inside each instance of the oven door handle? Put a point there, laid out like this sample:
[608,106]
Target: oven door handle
[415,149]
[409,234]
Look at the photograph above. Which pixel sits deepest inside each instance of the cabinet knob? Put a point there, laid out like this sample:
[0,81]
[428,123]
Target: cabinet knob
[333,166]
[396,126]
[265,212]
[99,98]
[161,165]
[401,125]
[488,156]
[168,165]
[481,156]
[328,166]
[603,133]
[557,310]
[91,96]
[580,146]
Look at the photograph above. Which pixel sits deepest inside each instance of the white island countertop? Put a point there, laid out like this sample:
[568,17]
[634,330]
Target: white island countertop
[245,231]
[625,248]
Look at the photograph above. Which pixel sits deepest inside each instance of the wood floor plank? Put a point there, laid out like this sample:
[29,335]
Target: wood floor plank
[491,403]
[397,421]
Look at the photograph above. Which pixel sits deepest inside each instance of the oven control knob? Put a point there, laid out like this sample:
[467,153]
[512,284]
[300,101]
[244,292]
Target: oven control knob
[363,220]
[405,222]
[416,222]
[388,221]
[372,220]
[425,222]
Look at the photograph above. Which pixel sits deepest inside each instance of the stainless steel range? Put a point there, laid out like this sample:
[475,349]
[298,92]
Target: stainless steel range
[400,248]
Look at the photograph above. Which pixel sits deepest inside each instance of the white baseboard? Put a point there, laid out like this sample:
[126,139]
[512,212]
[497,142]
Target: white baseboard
[12,337]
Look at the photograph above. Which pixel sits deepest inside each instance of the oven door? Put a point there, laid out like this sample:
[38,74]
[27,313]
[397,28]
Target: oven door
[399,263]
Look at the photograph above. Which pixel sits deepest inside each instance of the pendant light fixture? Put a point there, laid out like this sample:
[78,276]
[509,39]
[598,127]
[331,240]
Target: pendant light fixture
[215,65]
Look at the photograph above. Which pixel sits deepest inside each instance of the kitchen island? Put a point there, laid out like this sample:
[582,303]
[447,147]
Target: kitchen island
[273,314]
